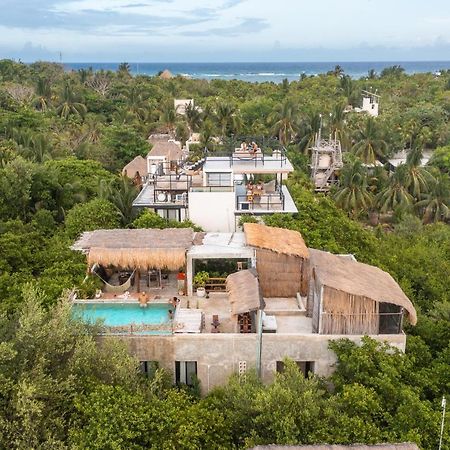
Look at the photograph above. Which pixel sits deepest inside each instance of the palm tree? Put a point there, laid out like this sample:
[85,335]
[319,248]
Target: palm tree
[348,88]
[338,127]
[168,117]
[419,176]
[369,145]
[121,194]
[338,71]
[435,203]
[396,193]
[123,71]
[69,103]
[392,71]
[123,199]
[285,121]
[371,74]
[308,130]
[228,118]
[352,194]
[43,94]
[206,133]
[136,102]
[41,148]
[193,118]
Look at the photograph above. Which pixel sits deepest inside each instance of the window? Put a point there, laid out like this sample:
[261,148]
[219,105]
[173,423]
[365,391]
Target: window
[390,319]
[306,367]
[170,214]
[185,372]
[148,368]
[219,179]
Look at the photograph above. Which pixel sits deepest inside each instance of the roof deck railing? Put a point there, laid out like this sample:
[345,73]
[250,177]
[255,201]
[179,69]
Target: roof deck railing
[267,202]
[268,149]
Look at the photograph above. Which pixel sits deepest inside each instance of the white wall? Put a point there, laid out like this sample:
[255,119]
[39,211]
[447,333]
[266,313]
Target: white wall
[370,106]
[213,211]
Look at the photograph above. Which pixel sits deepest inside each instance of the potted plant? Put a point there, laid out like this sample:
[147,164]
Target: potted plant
[200,280]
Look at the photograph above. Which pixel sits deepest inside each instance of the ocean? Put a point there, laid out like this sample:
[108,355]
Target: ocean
[264,71]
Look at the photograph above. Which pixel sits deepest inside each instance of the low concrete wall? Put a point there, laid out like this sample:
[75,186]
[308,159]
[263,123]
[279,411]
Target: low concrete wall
[218,355]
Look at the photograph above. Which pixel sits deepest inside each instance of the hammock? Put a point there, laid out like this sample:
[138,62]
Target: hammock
[113,289]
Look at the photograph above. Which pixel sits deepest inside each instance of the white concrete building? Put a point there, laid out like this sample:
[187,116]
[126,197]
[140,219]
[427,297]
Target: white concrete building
[218,190]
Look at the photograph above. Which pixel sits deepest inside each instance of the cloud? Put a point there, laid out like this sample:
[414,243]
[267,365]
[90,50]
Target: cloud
[245,27]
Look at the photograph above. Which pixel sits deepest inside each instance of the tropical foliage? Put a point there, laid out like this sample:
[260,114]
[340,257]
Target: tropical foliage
[64,136]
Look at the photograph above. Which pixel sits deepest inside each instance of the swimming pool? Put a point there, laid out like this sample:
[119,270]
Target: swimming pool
[153,316]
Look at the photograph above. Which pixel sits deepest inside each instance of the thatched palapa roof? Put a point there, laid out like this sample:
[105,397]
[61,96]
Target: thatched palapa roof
[243,292]
[159,137]
[278,240]
[168,149]
[138,164]
[141,248]
[166,74]
[346,275]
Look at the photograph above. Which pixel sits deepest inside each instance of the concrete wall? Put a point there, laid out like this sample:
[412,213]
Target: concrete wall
[213,211]
[218,355]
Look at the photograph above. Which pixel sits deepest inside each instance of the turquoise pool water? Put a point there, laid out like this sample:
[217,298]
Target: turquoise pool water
[123,314]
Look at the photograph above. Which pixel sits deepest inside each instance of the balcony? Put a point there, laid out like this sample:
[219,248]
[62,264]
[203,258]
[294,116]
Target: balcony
[165,190]
[262,202]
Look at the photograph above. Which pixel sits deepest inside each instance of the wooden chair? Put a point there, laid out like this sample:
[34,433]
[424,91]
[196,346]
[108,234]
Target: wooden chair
[215,324]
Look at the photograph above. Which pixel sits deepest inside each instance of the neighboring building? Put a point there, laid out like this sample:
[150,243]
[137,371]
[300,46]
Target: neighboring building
[401,157]
[180,105]
[137,170]
[166,74]
[218,190]
[164,157]
[279,300]
[370,104]
[326,161]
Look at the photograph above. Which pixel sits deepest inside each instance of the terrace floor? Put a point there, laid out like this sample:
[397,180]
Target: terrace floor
[216,304]
[167,290]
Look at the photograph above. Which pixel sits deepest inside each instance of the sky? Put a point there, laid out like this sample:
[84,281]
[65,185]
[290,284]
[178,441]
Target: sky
[225,30]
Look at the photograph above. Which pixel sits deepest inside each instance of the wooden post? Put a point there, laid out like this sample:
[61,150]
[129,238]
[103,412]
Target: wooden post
[137,280]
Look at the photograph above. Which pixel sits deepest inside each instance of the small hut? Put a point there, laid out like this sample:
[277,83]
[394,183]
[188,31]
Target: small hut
[349,297]
[281,260]
[136,169]
[166,74]
[165,153]
[245,298]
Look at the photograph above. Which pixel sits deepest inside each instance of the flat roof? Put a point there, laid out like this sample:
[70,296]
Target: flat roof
[222,245]
[269,165]
[400,158]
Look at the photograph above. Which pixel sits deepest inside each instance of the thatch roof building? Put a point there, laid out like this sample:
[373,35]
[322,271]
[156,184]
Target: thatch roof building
[166,74]
[141,248]
[278,240]
[355,298]
[138,166]
[167,150]
[243,292]
[281,260]
[159,137]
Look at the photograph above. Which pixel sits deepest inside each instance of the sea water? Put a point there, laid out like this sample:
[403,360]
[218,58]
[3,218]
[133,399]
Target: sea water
[264,71]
